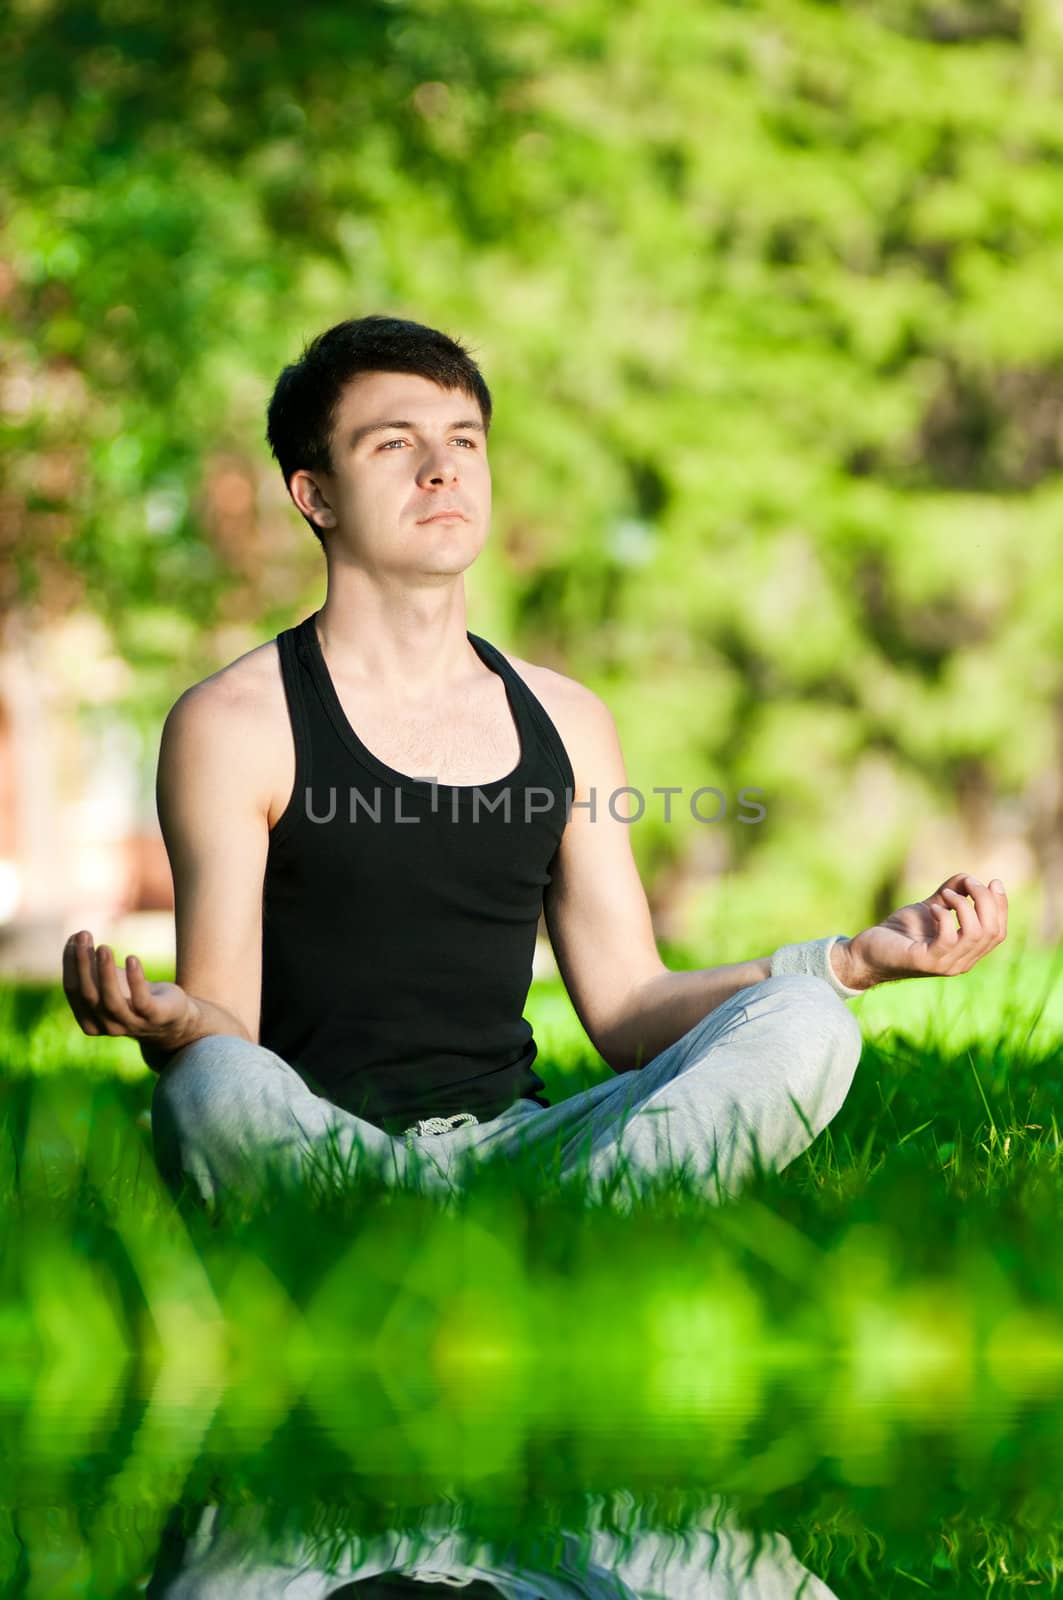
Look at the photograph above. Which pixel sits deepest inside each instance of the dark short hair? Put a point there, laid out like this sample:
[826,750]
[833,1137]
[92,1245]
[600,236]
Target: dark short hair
[302,408]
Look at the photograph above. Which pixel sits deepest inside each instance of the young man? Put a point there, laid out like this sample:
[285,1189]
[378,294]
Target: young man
[364,818]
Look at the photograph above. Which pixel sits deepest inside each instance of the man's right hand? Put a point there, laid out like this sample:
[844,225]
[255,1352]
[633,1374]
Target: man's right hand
[106,998]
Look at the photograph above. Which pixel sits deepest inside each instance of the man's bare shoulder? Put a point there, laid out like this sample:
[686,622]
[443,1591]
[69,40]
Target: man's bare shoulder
[580,716]
[556,691]
[237,716]
[242,692]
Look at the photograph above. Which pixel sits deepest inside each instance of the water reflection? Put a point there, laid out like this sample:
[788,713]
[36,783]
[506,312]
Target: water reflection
[213,1550]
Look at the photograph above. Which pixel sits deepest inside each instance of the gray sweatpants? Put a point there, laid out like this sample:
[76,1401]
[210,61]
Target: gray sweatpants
[753,1083]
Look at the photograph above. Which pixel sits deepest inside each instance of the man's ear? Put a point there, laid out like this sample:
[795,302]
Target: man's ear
[311,499]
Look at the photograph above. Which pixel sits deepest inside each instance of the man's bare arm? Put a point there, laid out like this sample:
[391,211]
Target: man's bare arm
[212,793]
[920,940]
[671,1004]
[631,1005]
[212,798]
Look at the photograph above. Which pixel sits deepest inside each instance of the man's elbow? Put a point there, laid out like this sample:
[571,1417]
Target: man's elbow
[626,1044]
[625,1057]
[621,1063]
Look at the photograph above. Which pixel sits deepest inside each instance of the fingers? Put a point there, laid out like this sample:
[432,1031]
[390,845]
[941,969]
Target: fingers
[86,961]
[79,980]
[991,905]
[966,914]
[1000,893]
[113,1005]
[983,924]
[140,996]
[99,993]
[947,934]
[70,967]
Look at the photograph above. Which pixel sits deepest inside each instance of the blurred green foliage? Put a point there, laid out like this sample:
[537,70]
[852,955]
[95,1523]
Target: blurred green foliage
[767,295]
[864,1350]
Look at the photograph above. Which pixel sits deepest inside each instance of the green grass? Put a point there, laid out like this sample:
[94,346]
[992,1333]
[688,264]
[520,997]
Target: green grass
[863,1352]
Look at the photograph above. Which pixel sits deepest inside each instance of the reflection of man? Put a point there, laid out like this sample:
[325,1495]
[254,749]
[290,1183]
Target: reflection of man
[347,975]
[227,1556]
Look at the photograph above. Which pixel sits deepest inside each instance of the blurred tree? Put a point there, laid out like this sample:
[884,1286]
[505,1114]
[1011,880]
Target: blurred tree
[767,296]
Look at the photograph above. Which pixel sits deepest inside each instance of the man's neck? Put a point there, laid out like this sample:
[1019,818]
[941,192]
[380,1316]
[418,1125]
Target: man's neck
[407,647]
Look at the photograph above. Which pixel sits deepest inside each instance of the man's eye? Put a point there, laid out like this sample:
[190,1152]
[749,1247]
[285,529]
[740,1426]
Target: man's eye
[470,442]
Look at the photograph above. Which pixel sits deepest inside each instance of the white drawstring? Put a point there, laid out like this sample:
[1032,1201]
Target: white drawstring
[442,1124]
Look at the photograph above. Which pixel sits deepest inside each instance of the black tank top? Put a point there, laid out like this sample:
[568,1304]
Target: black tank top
[399,915]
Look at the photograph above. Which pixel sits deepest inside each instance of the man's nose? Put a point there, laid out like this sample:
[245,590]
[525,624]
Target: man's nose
[441,465]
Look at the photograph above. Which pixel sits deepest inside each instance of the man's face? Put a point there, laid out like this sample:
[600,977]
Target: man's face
[385,483]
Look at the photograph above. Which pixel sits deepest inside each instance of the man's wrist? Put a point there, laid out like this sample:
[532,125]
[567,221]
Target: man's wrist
[847,966]
[812,957]
[159,1049]
[181,1031]
[195,1026]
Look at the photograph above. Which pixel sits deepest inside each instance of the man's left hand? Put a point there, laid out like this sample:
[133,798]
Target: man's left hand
[923,940]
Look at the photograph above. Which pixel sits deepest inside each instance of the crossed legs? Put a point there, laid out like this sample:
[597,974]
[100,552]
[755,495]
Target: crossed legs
[752,1084]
